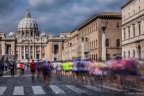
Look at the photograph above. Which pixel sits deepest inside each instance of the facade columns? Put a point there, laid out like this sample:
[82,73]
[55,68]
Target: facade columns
[24,52]
[40,57]
[33,53]
[20,55]
[29,52]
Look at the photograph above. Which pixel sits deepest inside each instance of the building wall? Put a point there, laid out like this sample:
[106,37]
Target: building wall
[133,30]
[93,32]
[71,47]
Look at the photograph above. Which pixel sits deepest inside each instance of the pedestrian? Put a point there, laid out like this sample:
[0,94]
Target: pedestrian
[20,69]
[27,65]
[38,66]
[12,67]
[33,69]
[1,68]
[46,71]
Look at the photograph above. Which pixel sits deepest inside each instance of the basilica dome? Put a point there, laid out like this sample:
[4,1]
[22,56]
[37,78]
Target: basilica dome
[27,22]
[27,27]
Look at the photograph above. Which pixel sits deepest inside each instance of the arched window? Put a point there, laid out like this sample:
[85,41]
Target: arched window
[107,42]
[118,43]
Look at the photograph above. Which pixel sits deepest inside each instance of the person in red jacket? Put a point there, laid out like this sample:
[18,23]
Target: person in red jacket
[33,69]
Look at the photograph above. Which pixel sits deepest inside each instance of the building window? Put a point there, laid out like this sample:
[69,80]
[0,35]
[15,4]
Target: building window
[134,29]
[128,54]
[96,43]
[96,57]
[139,27]
[118,43]
[96,26]
[124,30]
[124,54]
[107,42]
[129,31]
[133,53]
[117,25]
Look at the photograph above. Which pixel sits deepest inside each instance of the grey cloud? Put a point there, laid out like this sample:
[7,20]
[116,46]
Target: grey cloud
[49,5]
[61,15]
[7,6]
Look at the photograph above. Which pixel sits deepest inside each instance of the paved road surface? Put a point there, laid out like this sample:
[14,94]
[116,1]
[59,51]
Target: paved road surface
[23,86]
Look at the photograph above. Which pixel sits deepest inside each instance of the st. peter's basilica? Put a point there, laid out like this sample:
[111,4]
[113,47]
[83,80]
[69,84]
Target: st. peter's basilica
[29,43]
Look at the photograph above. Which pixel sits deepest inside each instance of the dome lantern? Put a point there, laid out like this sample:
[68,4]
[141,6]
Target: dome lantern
[27,15]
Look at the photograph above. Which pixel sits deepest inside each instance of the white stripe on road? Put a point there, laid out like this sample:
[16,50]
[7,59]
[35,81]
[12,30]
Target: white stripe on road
[37,90]
[111,88]
[18,90]
[56,89]
[93,88]
[27,75]
[77,90]
[2,90]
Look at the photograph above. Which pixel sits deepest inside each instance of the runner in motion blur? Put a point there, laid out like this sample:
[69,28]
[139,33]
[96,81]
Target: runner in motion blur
[46,71]
[38,66]
[33,69]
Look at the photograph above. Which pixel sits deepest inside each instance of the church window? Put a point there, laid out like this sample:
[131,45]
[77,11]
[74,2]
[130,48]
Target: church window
[107,42]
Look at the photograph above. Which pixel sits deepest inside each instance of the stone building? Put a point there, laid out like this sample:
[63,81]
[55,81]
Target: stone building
[70,47]
[31,44]
[88,38]
[132,29]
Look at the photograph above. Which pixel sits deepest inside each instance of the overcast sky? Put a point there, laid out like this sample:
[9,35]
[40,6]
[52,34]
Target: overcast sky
[53,16]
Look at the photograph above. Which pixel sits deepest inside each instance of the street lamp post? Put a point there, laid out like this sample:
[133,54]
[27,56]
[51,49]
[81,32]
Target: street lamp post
[103,44]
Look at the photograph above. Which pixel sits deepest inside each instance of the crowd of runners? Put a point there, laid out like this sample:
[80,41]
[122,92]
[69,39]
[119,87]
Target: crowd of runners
[116,72]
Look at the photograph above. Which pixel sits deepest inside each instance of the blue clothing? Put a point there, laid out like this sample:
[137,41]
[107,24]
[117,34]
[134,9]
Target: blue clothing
[38,65]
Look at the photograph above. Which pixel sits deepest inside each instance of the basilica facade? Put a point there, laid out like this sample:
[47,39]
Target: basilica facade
[31,44]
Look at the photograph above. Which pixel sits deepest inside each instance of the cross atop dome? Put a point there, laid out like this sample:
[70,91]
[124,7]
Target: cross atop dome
[27,15]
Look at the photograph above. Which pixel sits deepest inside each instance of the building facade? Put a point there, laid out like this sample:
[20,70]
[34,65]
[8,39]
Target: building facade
[132,29]
[70,46]
[31,44]
[88,37]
